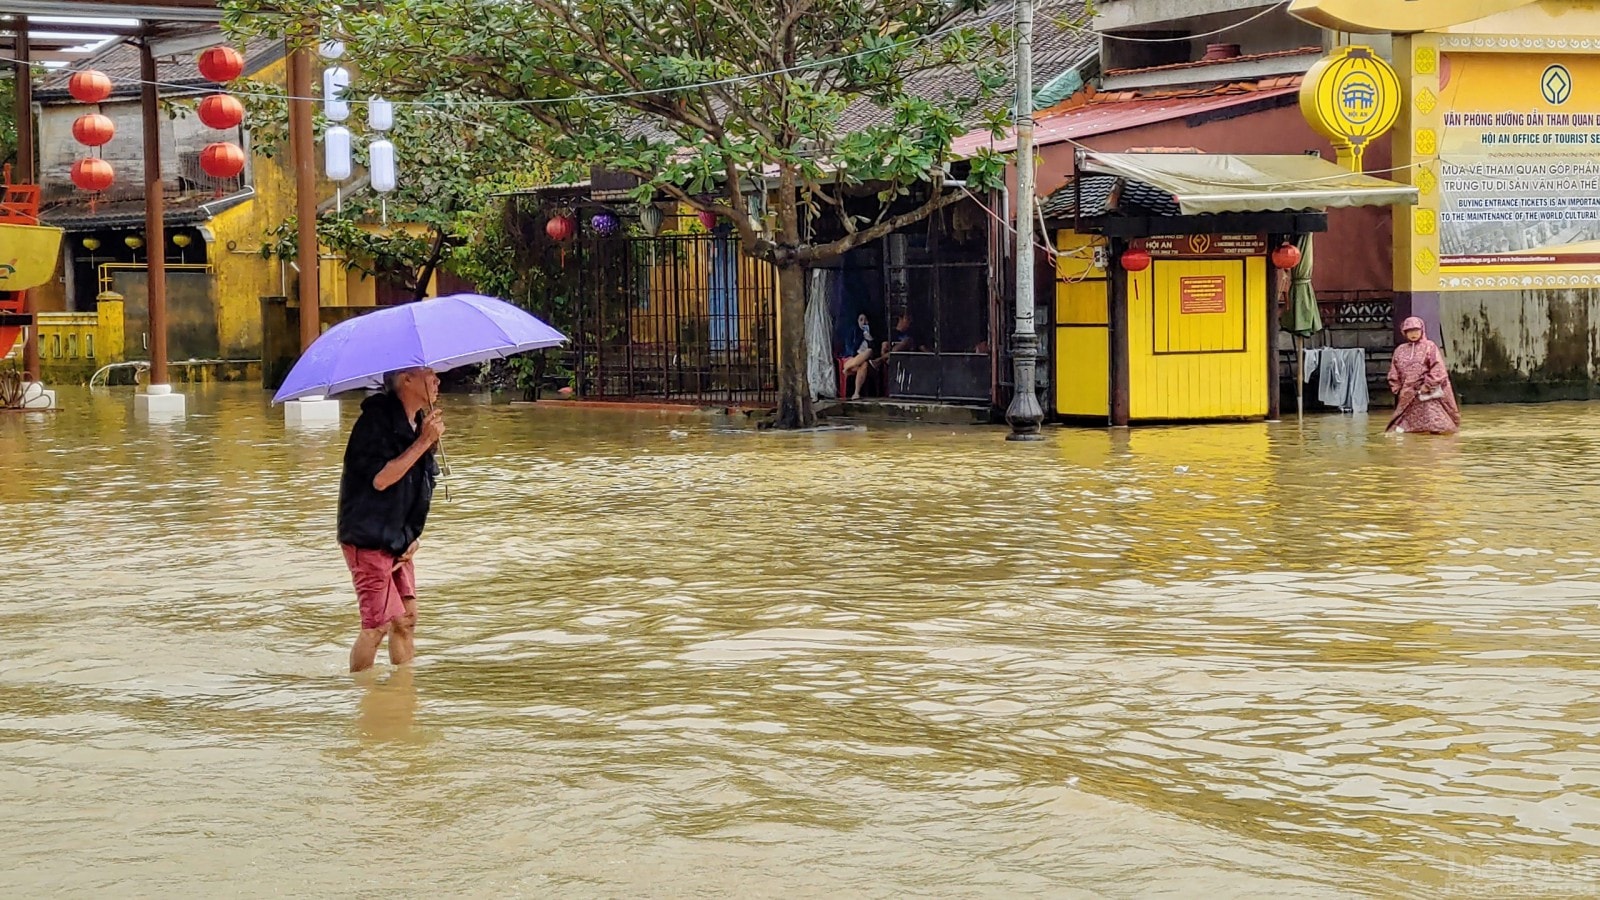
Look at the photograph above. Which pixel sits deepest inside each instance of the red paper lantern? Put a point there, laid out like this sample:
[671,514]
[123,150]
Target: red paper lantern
[708,219]
[1286,256]
[560,228]
[1135,259]
[221,111]
[89,86]
[222,160]
[93,130]
[92,174]
[221,64]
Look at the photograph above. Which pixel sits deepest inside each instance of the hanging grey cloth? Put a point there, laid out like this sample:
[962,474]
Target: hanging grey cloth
[819,336]
[1343,377]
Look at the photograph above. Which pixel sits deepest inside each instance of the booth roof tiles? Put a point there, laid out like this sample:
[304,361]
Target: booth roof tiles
[1134,198]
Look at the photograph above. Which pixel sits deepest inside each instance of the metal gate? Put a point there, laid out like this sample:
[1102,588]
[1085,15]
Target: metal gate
[681,318]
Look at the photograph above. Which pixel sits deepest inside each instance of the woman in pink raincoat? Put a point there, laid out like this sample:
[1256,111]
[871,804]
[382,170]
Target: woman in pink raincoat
[1426,402]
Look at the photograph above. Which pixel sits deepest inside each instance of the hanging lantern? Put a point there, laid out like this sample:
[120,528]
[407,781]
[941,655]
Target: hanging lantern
[335,82]
[89,86]
[92,174]
[93,130]
[91,244]
[604,224]
[336,153]
[221,65]
[133,242]
[650,218]
[560,228]
[222,160]
[331,49]
[1135,259]
[380,166]
[221,111]
[181,241]
[708,219]
[1286,256]
[380,114]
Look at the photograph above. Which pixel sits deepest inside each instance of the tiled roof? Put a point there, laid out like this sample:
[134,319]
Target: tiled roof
[191,209]
[1230,60]
[1056,48]
[120,62]
[1133,198]
[1088,113]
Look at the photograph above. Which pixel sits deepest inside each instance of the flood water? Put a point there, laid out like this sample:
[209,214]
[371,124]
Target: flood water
[658,658]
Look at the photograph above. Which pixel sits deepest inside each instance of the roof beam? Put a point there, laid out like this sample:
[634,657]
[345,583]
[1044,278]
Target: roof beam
[155,11]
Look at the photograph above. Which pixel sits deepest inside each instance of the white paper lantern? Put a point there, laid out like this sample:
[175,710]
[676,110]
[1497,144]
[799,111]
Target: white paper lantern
[380,114]
[335,81]
[331,49]
[336,153]
[380,166]
[651,218]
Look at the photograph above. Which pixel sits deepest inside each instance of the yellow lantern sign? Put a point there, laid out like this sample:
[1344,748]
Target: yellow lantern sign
[1352,98]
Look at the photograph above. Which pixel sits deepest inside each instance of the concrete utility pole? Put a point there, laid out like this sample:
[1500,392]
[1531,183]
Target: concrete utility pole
[1025,414]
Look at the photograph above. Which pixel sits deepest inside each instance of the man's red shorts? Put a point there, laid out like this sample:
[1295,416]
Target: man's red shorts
[380,585]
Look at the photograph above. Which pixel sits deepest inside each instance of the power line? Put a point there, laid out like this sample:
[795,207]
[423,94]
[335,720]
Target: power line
[722,82]
[1108,35]
[588,98]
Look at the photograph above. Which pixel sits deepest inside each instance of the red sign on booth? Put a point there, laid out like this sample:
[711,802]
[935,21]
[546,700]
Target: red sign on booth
[1200,295]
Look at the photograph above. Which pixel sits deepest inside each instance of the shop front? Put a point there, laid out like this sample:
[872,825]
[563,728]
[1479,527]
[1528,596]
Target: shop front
[1166,290]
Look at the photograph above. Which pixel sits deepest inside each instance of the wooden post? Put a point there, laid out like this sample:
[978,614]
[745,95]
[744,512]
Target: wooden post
[302,140]
[1117,333]
[155,236]
[25,174]
[1277,292]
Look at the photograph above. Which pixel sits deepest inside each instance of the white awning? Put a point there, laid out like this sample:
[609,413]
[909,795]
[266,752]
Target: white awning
[1205,183]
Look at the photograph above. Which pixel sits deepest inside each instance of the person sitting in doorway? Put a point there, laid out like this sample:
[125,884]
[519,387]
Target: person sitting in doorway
[859,346]
[903,341]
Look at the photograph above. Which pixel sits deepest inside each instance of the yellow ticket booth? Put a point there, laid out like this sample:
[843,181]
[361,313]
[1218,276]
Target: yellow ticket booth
[1165,293]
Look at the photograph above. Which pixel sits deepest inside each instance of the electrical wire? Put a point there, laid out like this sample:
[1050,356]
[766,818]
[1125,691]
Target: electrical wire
[1186,38]
[722,82]
[587,98]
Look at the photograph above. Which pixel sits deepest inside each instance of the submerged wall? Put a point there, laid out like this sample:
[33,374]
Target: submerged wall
[1522,345]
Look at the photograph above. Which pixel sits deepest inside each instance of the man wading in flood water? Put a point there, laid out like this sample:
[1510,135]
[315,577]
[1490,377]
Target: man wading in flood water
[384,494]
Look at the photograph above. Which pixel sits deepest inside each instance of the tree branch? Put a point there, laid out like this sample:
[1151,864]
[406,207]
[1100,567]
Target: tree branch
[822,252]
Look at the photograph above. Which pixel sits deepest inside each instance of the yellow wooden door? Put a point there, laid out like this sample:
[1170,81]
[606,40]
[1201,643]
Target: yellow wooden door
[1197,339]
[1083,360]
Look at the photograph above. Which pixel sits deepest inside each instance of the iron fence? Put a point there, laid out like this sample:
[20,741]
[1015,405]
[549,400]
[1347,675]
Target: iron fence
[679,318]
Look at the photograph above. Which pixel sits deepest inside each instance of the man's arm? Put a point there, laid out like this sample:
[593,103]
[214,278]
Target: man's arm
[399,466]
[396,469]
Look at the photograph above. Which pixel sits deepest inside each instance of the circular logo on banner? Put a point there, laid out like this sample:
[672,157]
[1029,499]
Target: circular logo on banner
[1358,97]
[1200,244]
[1556,85]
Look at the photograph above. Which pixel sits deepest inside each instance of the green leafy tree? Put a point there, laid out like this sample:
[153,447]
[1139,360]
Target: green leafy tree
[700,98]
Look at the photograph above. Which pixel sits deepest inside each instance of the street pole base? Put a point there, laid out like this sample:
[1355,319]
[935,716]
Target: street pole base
[159,404]
[1025,436]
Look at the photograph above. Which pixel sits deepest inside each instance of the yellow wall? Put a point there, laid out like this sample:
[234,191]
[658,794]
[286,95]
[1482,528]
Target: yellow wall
[681,290]
[1198,364]
[81,341]
[1083,350]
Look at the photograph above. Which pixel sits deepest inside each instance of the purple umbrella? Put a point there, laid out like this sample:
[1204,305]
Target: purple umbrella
[442,333]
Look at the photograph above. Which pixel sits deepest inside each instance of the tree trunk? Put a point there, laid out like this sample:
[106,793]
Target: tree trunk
[794,382]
